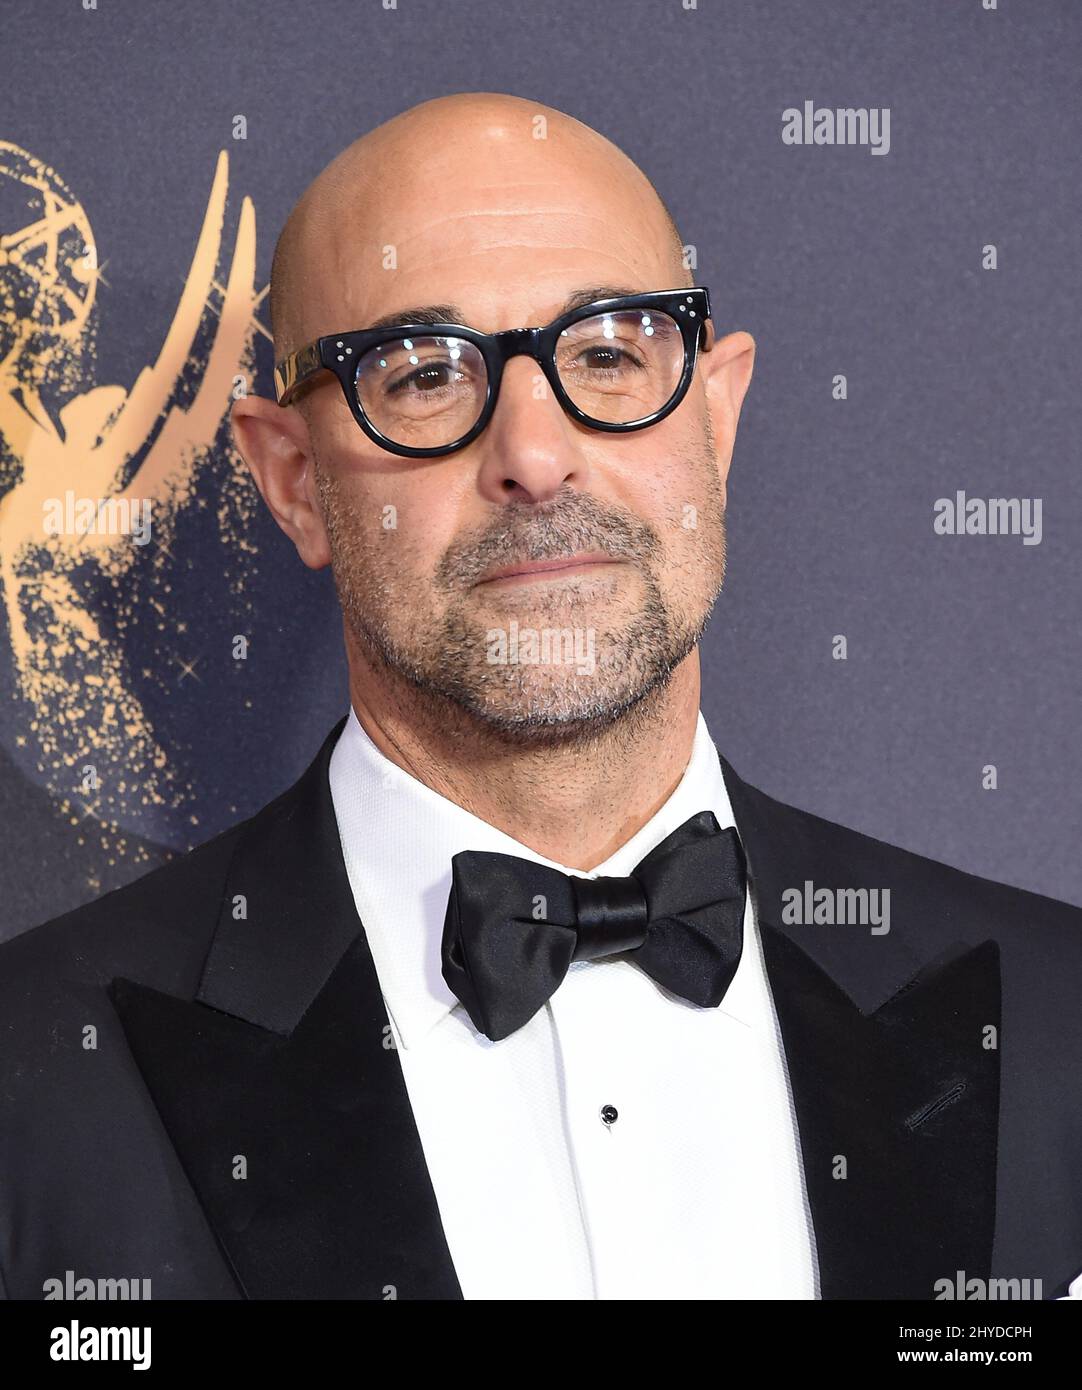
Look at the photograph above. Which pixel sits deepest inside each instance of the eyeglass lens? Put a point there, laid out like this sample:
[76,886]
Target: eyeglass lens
[427,392]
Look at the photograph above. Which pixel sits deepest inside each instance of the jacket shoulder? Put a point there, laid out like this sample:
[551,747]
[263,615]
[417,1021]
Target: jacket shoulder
[797,844]
[168,912]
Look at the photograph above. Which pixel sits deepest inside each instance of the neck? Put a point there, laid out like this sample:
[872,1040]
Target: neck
[574,802]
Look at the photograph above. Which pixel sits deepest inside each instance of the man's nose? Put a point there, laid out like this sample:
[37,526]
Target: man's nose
[530,447]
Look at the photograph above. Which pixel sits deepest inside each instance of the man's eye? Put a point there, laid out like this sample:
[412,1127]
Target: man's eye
[605,357]
[431,377]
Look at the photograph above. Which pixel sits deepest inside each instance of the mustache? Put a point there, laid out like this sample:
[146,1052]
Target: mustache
[551,530]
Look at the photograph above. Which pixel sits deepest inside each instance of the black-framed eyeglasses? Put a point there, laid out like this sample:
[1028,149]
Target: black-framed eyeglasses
[425,389]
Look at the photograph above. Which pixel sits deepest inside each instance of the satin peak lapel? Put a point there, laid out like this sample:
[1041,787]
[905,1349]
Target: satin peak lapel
[891,1043]
[278,1086]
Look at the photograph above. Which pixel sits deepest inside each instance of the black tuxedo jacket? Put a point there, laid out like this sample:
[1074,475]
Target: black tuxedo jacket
[208,1097]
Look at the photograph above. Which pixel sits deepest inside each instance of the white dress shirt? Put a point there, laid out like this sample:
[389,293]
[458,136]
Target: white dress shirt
[696,1190]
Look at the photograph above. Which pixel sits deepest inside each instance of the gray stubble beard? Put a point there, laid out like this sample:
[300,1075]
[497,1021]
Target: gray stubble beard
[445,677]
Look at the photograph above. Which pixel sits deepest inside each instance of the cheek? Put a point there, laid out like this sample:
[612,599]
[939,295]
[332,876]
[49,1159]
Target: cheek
[396,516]
[416,527]
[667,482]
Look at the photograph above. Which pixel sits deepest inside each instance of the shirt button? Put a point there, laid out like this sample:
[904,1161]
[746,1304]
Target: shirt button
[609,1114]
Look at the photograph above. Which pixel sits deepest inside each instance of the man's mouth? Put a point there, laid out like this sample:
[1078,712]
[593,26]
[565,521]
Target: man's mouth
[564,566]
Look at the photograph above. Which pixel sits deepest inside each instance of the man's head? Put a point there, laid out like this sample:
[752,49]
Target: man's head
[503,209]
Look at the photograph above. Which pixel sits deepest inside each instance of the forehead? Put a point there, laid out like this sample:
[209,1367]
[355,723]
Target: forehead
[507,239]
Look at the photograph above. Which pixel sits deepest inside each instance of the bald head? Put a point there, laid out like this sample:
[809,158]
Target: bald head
[488,186]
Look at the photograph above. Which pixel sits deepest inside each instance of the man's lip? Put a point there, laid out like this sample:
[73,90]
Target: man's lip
[526,568]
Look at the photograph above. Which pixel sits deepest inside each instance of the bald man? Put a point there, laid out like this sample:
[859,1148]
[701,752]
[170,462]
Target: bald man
[521,992]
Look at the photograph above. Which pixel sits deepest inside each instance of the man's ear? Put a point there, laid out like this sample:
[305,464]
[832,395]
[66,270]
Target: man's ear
[274,442]
[727,369]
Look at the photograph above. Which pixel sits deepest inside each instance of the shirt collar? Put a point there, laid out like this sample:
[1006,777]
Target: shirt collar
[399,836]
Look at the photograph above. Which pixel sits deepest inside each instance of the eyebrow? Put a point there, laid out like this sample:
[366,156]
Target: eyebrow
[451,313]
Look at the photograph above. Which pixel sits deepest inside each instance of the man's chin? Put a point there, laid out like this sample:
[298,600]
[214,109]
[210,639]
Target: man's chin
[547,665]
[544,723]
[548,706]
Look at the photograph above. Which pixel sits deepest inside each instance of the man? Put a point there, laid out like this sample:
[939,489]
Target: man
[521,991]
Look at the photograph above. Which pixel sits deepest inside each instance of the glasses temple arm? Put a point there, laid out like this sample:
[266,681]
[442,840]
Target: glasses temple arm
[292,370]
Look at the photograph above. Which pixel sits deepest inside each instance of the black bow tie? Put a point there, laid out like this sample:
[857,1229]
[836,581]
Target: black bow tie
[513,927]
